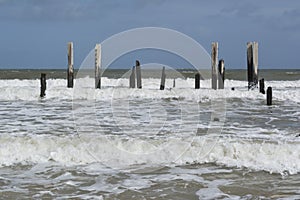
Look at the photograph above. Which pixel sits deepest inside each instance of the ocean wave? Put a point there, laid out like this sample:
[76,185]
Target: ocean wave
[119,152]
[291,73]
[29,90]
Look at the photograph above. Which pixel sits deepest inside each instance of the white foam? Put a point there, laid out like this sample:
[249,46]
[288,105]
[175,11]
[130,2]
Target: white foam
[29,90]
[118,152]
[123,152]
[213,192]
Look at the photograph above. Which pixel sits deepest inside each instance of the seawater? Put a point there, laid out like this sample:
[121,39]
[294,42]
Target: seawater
[236,74]
[124,143]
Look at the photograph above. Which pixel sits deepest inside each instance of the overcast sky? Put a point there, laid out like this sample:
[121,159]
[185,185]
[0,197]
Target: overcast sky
[34,33]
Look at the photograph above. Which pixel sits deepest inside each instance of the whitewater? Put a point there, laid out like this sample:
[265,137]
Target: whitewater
[117,142]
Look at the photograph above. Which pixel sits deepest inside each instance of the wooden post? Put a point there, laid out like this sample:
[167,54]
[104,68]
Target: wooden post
[255,63]
[269,96]
[98,66]
[132,78]
[43,85]
[197,81]
[221,74]
[70,73]
[262,86]
[214,61]
[138,74]
[163,79]
[174,83]
[252,64]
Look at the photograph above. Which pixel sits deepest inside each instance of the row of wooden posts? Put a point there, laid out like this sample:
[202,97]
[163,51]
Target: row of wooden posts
[218,71]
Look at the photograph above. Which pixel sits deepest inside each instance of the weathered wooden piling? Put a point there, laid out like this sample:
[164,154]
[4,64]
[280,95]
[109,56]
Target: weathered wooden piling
[97,66]
[138,74]
[221,74]
[255,62]
[43,85]
[163,79]
[262,86]
[214,62]
[269,96]
[197,81]
[252,64]
[249,64]
[132,78]
[70,73]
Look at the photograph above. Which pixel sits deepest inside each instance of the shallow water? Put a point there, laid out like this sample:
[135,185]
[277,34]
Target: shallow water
[204,181]
[124,143]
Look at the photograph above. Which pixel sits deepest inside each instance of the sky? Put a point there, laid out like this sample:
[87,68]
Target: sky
[35,33]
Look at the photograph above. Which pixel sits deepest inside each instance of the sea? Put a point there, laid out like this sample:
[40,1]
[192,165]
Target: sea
[128,143]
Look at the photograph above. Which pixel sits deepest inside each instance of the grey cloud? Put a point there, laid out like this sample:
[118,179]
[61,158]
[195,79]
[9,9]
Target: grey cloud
[36,10]
[291,19]
[278,15]
[284,19]
[241,9]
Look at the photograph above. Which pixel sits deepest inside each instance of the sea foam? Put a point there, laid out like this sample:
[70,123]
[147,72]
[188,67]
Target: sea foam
[29,90]
[121,153]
